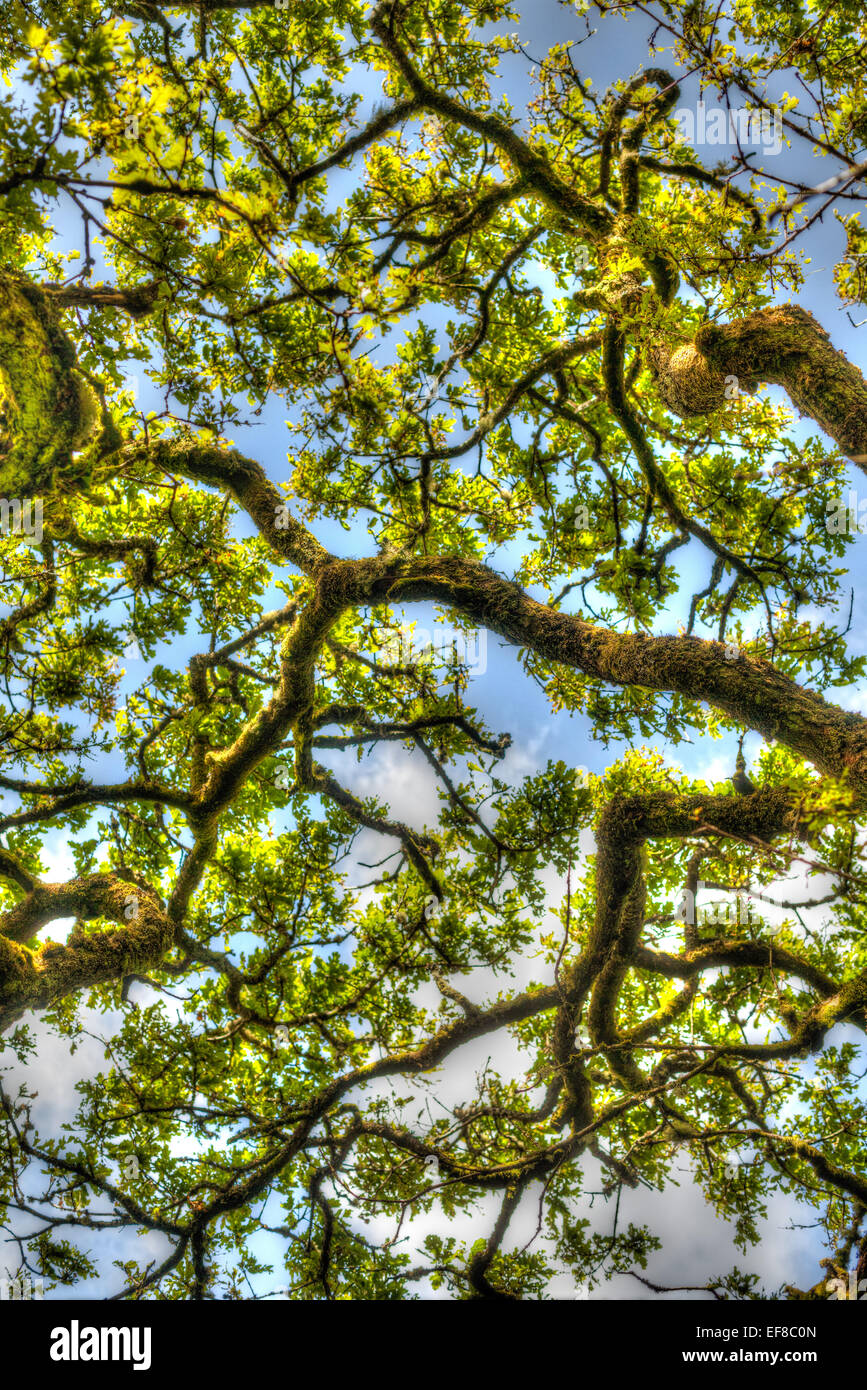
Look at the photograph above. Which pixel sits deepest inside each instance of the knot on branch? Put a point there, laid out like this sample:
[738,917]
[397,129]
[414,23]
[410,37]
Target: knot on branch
[784,346]
[686,381]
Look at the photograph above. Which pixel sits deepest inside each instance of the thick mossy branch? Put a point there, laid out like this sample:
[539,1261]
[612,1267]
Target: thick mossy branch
[47,410]
[614,938]
[38,977]
[625,823]
[784,346]
[247,482]
[138,300]
[747,688]
[613,949]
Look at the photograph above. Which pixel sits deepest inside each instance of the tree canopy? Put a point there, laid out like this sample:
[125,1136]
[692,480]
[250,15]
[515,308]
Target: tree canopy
[516,355]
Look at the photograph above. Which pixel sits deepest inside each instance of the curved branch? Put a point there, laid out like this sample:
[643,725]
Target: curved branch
[784,346]
[35,979]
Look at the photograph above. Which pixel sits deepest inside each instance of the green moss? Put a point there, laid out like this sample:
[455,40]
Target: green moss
[47,410]
[783,345]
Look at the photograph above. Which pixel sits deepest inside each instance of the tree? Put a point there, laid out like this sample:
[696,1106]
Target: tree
[526,352]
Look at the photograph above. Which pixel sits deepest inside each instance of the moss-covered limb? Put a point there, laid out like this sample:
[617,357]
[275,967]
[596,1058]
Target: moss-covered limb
[413,841]
[449,991]
[828,1171]
[404,728]
[495,1177]
[339,1152]
[735,1082]
[48,411]
[747,688]
[627,819]
[620,901]
[486,205]
[620,897]
[218,774]
[248,483]
[625,927]
[289,710]
[576,1096]
[136,300]
[713,955]
[624,290]
[36,978]
[190,875]
[613,942]
[848,1004]
[22,921]
[445,1041]
[535,168]
[668,97]
[480,1262]
[379,124]
[783,345]
[10,868]
[424,1058]
[140,789]
[621,889]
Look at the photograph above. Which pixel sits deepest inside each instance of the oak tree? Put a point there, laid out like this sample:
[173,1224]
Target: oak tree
[523,349]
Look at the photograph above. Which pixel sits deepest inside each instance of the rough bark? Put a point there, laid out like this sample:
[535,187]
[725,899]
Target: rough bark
[35,977]
[784,346]
[47,410]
